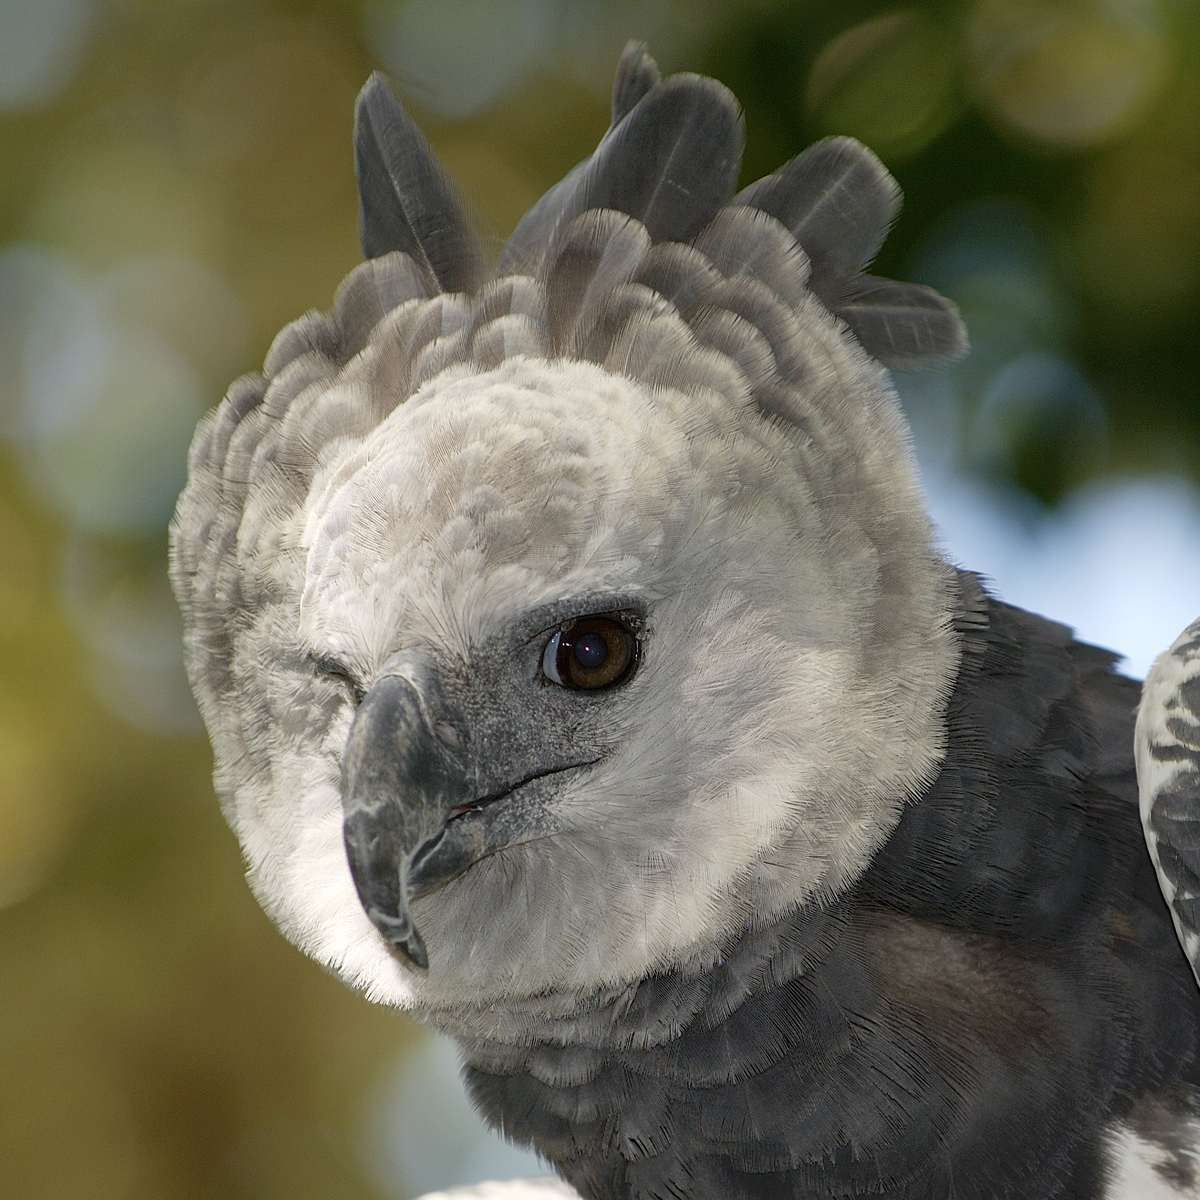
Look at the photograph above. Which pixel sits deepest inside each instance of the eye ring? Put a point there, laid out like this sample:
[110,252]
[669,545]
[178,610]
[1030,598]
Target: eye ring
[590,653]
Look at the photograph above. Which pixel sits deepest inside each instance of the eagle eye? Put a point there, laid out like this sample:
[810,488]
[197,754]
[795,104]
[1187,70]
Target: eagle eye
[590,653]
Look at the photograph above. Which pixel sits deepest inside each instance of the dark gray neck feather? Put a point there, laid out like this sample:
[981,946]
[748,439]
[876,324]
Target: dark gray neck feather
[967,1020]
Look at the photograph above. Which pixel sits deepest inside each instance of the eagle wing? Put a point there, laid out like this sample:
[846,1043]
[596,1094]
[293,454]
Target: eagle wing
[1168,767]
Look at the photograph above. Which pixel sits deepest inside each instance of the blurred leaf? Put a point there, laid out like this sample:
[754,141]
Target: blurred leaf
[1138,237]
[185,186]
[1071,73]
[891,82]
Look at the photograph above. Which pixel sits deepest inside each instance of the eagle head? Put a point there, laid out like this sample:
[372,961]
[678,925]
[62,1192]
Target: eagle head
[553,625]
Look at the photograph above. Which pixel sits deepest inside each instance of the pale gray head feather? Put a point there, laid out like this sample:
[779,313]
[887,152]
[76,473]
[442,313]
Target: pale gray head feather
[659,404]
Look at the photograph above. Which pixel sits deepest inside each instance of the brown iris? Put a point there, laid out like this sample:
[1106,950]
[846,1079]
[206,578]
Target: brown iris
[593,652]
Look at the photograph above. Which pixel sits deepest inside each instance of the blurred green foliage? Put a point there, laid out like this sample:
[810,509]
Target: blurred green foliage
[178,184]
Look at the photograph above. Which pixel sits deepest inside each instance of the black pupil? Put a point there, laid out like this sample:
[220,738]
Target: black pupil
[591,650]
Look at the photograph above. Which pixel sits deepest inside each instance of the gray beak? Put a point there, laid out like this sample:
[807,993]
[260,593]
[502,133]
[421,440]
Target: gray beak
[424,800]
[400,783]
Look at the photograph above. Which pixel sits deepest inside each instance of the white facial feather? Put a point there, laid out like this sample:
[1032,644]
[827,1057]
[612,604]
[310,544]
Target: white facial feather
[680,428]
[787,702]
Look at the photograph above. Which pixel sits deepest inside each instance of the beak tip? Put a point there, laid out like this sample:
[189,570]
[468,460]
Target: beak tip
[414,951]
[401,935]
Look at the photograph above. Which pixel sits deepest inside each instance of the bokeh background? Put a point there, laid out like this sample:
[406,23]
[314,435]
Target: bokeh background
[176,183]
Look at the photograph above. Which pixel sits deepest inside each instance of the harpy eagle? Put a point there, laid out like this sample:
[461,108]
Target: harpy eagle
[584,679]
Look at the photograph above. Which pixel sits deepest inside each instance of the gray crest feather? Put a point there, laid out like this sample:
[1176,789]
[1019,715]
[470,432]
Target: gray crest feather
[526,246]
[312,333]
[636,74]
[902,324]
[617,309]
[507,337]
[746,242]
[508,318]
[512,294]
[660,350]
[370,292]
[758,304]
[680,274]
[600,251]
[671,161]
[839,201]
[1167,744]
[740,341]
[406,202]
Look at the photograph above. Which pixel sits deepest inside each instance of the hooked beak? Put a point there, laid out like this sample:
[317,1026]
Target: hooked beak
[400,783]
[418,811]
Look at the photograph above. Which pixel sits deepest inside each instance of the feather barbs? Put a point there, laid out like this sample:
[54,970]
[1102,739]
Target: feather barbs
[652,358]
[669,162]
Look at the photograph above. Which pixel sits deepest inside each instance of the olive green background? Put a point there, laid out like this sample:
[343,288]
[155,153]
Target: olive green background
[157,1037]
